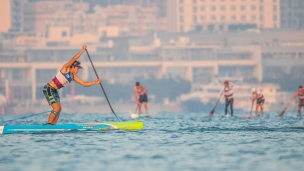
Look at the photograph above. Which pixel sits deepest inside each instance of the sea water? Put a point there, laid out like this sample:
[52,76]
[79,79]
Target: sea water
[169,142]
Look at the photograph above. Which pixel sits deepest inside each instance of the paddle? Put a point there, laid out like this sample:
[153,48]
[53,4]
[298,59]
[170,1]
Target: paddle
[282,113]
[251,107]
[212,111]
[24,117]
[102,86]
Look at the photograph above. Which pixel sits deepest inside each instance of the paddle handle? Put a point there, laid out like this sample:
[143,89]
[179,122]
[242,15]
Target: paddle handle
[101,85]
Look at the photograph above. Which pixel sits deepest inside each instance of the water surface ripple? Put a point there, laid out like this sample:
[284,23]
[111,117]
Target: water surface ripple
[187,141]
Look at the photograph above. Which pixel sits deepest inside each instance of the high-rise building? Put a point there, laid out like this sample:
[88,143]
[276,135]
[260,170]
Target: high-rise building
[5,14]
[17,11]
[198,15]
[292,14]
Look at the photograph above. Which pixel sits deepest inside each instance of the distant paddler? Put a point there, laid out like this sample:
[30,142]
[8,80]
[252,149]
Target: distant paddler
[228,93]
[140,95]
[300,94]
[66,75]
[260,100]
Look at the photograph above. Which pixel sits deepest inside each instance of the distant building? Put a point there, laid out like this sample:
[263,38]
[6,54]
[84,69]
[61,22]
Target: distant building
[5,14]
[210,15]
[292,14]
[40,15]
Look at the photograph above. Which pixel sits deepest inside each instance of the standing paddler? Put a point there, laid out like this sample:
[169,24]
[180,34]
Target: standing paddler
[228,93]
[66,75]
[260,100]
[300,94]
[143,97]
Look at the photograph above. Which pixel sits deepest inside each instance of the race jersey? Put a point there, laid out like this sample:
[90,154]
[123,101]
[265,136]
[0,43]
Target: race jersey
[228,93]
[62,79]
[301,96]
[261,96]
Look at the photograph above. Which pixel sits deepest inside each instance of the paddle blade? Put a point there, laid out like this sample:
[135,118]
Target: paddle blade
[282,113]
[211,113]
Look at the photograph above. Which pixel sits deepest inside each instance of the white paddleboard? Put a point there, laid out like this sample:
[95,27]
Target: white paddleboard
[225,116]
[136,116]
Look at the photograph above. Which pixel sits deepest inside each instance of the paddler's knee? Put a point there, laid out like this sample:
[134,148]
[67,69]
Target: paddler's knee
[54,112]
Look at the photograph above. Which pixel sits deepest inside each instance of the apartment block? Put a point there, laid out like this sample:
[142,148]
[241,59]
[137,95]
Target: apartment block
[203,15]
[292,14]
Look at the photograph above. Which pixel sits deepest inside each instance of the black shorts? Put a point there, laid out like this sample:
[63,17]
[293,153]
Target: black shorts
[260,101]
[143,98]
[51,94]
[301,103]
[229,101]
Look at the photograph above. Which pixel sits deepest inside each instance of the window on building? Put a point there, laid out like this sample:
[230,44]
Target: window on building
[243,18]
[232,8]
[261,8]
[261,18]
[181,1]
[213,18]
[194,1]
[181,19]
[233,17]
[64,34]
[213,8]
[253,8]
[274,8]
[181,28]
[253,17]
[261,0]
[181,9]
[194,9]
[275,18]
[243,8]
[223,8]
[203,8]
[223,18]
[194,19]
[104,34]
[203,18]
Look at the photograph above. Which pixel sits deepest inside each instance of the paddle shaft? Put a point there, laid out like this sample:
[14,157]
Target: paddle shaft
[101,85]
[23,117]
[216,103]
[282,113]
[251,108]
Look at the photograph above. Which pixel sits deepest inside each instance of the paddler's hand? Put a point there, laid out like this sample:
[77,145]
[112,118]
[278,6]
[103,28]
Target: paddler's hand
[84,47]
[97,81]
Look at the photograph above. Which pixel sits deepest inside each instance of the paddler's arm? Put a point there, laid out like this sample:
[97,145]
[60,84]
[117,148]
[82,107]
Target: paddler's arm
[144,88]
[252,99]
[86,84]
[296,95]
[68,64]
[231,85]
